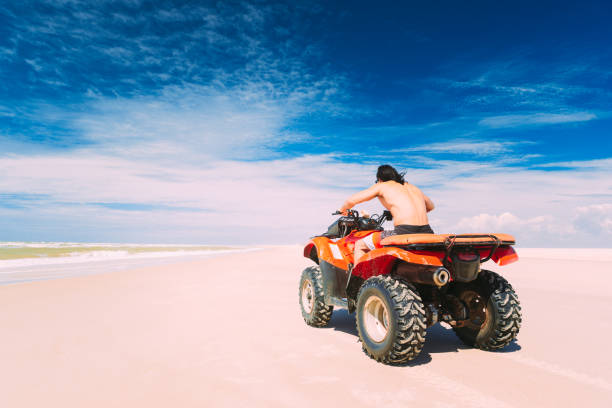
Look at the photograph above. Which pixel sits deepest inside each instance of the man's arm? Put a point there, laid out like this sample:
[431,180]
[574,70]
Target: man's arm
[429,205]
[360,197]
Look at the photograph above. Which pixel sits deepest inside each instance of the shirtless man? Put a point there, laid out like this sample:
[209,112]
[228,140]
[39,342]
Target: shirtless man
[407,203]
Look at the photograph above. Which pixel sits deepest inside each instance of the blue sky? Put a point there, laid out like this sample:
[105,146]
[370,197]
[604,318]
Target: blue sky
[249,122]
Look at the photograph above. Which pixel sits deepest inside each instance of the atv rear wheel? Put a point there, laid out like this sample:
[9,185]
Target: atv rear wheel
[312,301]
[391,320]
[490,309]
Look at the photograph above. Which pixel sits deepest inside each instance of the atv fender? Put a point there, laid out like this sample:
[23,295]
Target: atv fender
[324,249]
[334,267]
[310,251]
[382,261]
[504,255]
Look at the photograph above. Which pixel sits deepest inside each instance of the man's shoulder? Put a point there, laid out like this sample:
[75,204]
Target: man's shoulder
[385,185]
[412,189]
[391,185]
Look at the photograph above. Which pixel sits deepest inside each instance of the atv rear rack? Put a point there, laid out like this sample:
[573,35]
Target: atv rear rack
[450,241]
[439,240]
[447,242]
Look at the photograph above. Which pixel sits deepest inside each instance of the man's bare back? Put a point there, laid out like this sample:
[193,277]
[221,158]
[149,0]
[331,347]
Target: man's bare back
[407,203]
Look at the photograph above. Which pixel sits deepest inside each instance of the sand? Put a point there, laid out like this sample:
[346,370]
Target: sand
[227,332]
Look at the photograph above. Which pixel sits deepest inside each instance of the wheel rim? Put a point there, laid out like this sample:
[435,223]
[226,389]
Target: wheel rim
[307,296]
[476,309]
[376,319]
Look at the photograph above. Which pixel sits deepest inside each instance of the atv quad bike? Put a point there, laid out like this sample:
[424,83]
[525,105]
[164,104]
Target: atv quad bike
[413,282]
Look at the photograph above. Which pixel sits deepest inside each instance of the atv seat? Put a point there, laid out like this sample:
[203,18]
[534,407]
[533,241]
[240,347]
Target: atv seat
[442,240]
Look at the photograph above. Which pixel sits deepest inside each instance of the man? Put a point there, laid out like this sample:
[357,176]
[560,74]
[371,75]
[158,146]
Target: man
[407,203]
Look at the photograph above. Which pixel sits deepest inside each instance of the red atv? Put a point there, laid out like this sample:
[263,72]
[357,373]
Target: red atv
[412,282]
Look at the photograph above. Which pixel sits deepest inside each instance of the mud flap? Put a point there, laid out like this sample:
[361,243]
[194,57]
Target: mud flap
[334,282]
[353,284]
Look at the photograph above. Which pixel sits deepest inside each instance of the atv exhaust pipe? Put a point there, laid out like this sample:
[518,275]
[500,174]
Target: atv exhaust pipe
[423,274]
[441,277]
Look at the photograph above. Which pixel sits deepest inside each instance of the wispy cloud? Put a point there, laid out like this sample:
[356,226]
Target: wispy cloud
[515,93]
[146,207]
[227,44]
[595,164]
[517,83]
[464,146]
[214,88]
[186,123]
[534,119]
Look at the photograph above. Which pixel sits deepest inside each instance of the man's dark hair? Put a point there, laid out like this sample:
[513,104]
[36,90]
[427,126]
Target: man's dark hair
[386,173]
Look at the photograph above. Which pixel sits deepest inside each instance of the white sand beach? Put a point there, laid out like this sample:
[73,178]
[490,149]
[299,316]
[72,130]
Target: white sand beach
[227,332]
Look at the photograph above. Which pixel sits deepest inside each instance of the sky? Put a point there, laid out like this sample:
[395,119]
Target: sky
[220,122]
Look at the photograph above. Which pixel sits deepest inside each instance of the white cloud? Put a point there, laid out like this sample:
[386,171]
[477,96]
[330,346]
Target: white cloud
[463,146]
[581,164]
[287,200]
[35,64]
[193,123]
[510,223]
[189,122]
[275,198]
[511,84]
[594,219]
[544,202]
[584,226]
[506,121]
[225,44]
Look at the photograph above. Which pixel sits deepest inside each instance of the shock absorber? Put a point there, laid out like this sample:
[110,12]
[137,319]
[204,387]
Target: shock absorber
[431,313]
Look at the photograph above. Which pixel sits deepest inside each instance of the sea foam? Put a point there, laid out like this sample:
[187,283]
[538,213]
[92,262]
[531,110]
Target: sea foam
[21,254]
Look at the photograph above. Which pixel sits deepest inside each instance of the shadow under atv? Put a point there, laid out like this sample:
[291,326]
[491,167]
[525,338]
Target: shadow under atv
[439,338]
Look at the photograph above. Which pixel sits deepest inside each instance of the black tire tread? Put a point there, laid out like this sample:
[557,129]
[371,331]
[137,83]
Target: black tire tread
[505,300]
[321,312]
[411,320]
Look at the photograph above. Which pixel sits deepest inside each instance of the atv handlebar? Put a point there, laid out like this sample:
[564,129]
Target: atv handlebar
[345,224]
[351,213]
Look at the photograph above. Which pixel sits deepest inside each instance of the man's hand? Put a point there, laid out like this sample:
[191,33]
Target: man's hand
[343,212]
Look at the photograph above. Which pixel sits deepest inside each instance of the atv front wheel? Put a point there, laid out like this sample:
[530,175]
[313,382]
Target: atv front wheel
[391,320]
[490,311]
[312,301]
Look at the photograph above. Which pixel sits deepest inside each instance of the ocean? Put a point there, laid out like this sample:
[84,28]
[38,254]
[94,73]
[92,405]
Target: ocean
[30,261]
